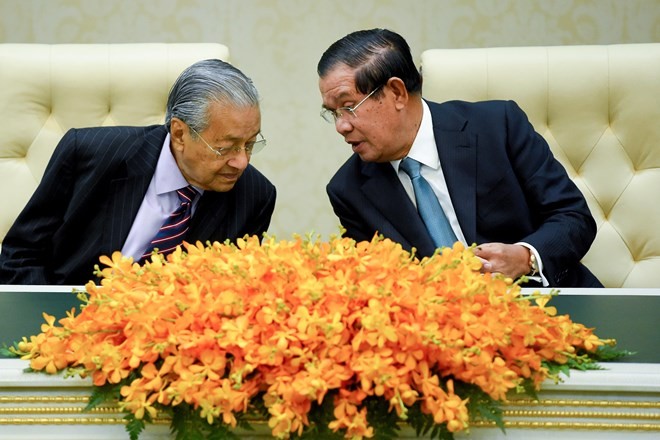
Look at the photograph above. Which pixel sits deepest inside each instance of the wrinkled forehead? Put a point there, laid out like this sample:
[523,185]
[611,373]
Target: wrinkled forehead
[228,121]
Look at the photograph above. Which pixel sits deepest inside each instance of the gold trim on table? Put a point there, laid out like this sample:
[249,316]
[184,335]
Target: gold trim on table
[590,403]
[515,409]
[572,425]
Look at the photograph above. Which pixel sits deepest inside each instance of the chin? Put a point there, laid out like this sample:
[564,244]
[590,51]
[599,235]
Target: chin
[367,157]
[222,187]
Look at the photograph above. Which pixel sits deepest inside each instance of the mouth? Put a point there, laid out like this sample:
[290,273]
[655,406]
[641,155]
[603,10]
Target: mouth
[230,177]
[355,145]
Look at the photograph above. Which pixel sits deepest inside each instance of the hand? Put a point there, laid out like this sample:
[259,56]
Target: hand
[511,260]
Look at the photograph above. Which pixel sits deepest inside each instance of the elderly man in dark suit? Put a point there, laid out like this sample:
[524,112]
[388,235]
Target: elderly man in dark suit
[426,174]
[140,189]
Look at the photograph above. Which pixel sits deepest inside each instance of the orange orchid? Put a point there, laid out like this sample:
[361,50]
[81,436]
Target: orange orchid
[294,324]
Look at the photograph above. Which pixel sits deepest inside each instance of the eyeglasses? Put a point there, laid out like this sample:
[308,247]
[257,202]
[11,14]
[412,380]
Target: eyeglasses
[331,116]
[250,147]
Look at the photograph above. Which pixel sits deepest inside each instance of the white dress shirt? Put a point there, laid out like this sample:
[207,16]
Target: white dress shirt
[425,151]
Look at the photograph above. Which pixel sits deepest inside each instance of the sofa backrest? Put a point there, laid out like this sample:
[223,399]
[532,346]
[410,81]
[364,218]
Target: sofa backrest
[47,89]
[599,109]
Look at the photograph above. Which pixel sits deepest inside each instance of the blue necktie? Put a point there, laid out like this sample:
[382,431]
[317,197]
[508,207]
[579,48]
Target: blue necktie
[173,231]
[428,206]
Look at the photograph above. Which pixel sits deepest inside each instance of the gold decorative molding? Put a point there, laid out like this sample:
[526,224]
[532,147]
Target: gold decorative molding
[112,410]
[580,414]
[57,410]
[509,424]
[589,403]
[572,425]
[71,421]
[44,399]
[61,421]
[544,414]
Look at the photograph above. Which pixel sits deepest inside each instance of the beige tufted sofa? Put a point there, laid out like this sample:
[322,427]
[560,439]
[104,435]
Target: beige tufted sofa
[599,109]
[47,89]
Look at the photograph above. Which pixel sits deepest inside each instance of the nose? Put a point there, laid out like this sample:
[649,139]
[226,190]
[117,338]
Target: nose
[239,160]
[343,126]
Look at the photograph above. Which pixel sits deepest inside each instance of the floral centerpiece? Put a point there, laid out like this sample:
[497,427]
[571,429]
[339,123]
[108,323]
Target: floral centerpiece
[330,339]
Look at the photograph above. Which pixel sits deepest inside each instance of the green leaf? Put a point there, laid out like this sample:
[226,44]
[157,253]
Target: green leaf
[188,425]
[527,387]
[384,422]
[320,416]
[7,351]
[257,407]
[555,369]
[608,353]
[424,425]
[182,424]
[441,433]
[480,404]
[242,422]
[491,410]
[106,393]
[134,426]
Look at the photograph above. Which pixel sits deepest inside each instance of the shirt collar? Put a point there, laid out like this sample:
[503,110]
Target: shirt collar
[424,149]
[168,177]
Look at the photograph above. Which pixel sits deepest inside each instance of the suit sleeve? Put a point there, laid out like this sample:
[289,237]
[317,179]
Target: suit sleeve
[565,227]
[263,217]
[254,203]
[354,225]
[27,248]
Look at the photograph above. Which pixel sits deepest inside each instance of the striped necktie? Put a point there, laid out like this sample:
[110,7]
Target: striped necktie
[173,231]
[428,206]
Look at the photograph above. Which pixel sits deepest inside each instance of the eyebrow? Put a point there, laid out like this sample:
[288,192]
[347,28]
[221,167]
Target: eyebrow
[341,96]
[236,138]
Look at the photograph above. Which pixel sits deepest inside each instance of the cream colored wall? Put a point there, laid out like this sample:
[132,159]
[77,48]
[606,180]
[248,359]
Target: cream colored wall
[278,44]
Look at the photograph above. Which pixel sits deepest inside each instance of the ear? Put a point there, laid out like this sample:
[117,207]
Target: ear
[178,129]
[398,88]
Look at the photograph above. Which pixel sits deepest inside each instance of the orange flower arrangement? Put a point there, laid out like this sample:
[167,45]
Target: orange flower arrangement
[323,339]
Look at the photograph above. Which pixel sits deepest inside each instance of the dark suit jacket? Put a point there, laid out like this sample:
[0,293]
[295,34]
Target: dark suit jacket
[90,194]
[503,181]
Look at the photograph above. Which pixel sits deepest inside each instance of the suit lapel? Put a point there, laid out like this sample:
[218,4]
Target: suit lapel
[128,190]
[458,158]
[123,207]
[209,217]
[384,189]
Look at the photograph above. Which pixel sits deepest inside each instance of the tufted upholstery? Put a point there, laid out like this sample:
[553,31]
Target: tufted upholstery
[599,109]
[47,89]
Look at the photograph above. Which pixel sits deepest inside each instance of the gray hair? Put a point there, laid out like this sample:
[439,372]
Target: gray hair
[205,82]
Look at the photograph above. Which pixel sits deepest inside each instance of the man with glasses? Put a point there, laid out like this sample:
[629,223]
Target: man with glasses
[426,174]
[146,189]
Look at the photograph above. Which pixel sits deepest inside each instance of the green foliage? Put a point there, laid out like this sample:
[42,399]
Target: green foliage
[609,353]
[134,426]
[257,407]
[424,425]
[585,361]
[185,423]
[9,352]
[527,387]
[319,417]
[480,405]
[243,423]
[384,422]
[102,394]
[188,425]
